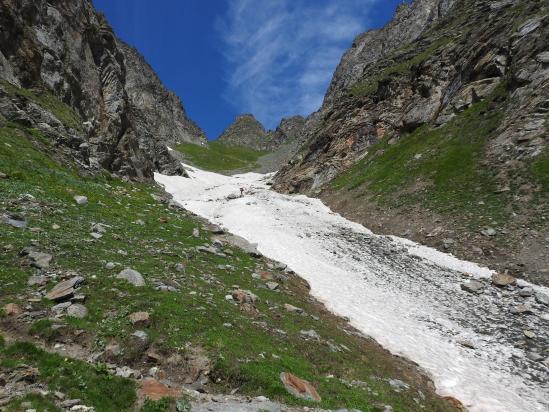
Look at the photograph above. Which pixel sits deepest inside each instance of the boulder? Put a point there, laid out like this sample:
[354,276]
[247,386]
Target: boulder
[299,387]
[132,276]
[472,286]
[139,318]
[77,310]
[501,279]
[12,309]
[64,290]
[39,260]
[140,339]
[292,308]
[542,298]
[15,221]
[154,390]
[80,200]
[244,296]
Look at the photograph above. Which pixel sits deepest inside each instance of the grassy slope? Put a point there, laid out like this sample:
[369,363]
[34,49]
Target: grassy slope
[221,158]
[243,354]
[449,177]
[49,102]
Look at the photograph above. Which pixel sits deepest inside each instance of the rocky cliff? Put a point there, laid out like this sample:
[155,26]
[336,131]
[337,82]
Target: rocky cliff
[439,118]
[115,113]
[387,86]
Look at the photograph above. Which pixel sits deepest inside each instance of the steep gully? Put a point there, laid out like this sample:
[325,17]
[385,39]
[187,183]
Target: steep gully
[485,348]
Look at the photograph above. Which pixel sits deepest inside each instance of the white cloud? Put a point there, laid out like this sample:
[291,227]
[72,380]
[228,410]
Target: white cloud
[281,54]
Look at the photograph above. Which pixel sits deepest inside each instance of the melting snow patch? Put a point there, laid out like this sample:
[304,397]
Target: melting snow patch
[405,295]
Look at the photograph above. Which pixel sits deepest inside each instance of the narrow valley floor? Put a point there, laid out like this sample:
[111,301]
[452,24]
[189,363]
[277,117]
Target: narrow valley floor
[483,344]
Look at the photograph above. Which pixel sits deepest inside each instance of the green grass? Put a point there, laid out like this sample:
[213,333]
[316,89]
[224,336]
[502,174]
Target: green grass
[242,355]
[33,401]
[540,170]
[77,379]
[46,100]
[218,157]
[449,175]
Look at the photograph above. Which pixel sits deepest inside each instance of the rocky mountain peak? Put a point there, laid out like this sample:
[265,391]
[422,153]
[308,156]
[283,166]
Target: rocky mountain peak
[246,131]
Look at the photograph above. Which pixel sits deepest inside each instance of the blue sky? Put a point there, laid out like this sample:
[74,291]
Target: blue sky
[272,58]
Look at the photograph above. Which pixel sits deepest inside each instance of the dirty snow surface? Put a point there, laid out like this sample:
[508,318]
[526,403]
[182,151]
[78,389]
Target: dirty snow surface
[406,296]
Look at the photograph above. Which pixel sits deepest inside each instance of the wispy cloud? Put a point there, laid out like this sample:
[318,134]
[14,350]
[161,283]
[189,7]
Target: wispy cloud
[281,54]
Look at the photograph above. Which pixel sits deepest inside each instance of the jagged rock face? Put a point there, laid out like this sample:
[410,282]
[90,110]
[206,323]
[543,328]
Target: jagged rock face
[245,131]
[289,129]
[407,25]
[461,51]
[69,49]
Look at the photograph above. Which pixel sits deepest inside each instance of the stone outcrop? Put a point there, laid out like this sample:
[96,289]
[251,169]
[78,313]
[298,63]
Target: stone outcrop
[116,114]
[433,61]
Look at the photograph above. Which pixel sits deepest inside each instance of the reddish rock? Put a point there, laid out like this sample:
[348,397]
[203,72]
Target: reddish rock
[455,403]
[139,318]
[501,279]
[12,309]
[266,275]
[299,387]
[154,390]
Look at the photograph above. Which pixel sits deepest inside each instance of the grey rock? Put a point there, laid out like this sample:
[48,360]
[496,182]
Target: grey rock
[534,356]
[80,200]
[40,260]
[15,221]
[472,286]
[311,334]
[77,310]
[489,231]
[65,290]
[526,292]
[140,339]
[110,265]
[132,276]
[272,285]
[543,57]
[542,298]
[398,385]
[60,307]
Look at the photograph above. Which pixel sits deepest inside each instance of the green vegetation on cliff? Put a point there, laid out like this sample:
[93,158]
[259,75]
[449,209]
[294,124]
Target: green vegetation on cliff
[440,168]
